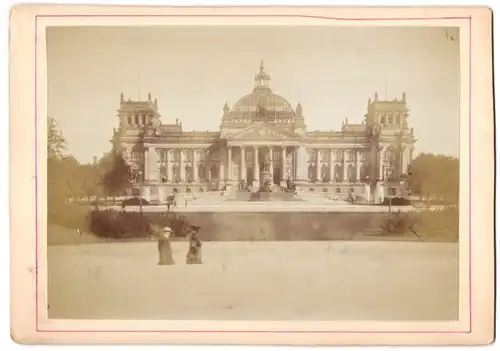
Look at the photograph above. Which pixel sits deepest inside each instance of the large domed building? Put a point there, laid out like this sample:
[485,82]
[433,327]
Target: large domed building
[264,135]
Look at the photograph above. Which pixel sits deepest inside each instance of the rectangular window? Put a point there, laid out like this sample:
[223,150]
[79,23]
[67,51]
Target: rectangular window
[398,119]
[201,155]
[390,120]
[163,155]
[174,155]
[382,119]
[392,191]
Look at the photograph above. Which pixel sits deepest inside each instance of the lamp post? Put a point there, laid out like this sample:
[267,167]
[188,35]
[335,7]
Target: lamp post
[140,192]
[389,188]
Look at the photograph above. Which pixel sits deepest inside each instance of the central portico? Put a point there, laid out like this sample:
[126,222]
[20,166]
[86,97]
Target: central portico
[262,149]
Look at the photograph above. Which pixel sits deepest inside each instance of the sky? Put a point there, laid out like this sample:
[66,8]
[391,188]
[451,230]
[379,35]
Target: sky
[193,71]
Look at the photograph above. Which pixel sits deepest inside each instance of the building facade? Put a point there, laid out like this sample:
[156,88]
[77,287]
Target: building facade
[263,135]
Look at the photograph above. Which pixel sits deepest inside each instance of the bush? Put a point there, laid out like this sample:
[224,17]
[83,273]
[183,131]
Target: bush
[135,201]
[396,201]
[441,223]
[108,223]
[73,216]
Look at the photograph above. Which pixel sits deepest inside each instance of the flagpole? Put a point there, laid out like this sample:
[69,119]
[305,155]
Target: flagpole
[386,87]
[138,88]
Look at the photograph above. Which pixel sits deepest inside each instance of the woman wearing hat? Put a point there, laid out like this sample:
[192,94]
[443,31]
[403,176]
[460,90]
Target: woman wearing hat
[164,247]
[194,253]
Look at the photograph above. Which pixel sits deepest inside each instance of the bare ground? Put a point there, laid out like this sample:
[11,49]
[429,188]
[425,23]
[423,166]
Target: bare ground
[257,281]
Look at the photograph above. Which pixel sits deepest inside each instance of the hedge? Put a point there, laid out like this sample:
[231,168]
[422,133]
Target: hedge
[109,223]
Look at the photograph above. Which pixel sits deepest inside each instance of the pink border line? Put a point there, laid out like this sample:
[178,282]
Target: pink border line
[37,258]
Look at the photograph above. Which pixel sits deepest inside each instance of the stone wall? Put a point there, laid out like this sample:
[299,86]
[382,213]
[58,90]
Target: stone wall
[287,226]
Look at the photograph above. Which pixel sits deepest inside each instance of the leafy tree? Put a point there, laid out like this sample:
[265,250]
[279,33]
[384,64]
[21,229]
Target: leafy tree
[115,174]
[56,143]
[435,176]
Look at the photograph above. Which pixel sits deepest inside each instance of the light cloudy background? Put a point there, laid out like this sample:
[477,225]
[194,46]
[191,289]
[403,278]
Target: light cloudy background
[193,71]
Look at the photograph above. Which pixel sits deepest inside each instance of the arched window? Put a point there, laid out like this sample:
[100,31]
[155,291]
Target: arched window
[351,174]
[163,172]
[189,173]
[390,155]
[201,172]
[364,171]
[175,173]
[324,173]
[338,173]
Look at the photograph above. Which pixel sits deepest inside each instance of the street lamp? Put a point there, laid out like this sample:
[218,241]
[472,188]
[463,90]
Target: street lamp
[390,178]
[140,192]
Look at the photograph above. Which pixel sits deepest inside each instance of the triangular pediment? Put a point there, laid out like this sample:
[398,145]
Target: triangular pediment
[262,131]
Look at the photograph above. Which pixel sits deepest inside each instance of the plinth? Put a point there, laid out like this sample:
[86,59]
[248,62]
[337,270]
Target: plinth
[266,181]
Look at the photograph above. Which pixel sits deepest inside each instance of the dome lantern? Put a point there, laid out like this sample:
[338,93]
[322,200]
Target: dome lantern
[262,78]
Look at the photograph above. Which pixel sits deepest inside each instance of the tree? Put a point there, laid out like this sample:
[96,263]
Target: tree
[435,176]
[115,174]
[56,143]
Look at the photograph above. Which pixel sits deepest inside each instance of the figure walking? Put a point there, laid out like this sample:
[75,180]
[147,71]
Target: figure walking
[165,247]
[194,253]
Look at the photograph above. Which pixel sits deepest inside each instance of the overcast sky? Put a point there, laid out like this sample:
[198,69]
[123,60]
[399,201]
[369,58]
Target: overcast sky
[193,71]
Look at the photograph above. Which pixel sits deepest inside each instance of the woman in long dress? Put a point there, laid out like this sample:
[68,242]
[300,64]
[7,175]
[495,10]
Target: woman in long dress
[165,248]
[194,252]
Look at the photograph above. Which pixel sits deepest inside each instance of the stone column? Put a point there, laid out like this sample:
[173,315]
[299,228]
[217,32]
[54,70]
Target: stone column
[358,164]
[301,172]
[195,165]
[145,162]
[256,163]
[229,163]
[222,161]
[243,167]
[405,159]
[381,164]
[271,162]
[318,168]
[331,166]
[283,163]
[167,164]
[153,170]
[344,165]
[182,169]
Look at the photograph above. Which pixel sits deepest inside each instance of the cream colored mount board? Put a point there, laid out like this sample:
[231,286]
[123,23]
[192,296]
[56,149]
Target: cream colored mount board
[251,175]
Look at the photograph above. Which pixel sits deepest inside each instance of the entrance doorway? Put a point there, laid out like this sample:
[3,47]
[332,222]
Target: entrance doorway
[249,175]
[277,175]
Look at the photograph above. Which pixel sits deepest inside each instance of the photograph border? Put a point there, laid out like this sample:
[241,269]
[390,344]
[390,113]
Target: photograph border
[468,33]
[37,258]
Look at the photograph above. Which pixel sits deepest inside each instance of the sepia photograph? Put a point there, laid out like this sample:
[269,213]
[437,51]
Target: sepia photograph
[274,173]
[309,172]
